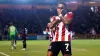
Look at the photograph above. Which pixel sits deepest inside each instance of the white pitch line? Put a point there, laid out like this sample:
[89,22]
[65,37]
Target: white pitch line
[25,51]
[77,49]
[4,54]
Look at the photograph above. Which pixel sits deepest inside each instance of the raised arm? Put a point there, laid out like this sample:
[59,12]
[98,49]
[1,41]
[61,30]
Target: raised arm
[53,22]
[67,18]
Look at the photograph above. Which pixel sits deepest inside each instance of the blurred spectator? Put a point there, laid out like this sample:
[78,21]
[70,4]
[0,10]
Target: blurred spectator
[6,32]
[37,20]
[93,33]
[0,35]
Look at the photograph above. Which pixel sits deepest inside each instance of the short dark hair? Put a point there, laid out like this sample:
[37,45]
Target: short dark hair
[63,4]
[65,8]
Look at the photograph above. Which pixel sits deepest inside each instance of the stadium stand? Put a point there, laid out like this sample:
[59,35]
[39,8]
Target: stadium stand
[36,20]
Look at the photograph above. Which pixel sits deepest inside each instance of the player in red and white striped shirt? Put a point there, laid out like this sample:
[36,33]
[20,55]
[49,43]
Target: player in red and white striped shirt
[62,38]
[50,32]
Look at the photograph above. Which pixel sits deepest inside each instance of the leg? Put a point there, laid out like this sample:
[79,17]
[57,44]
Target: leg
[66,48]
[24,43]
[53,49]
[15,41]
[49,53]
[12,42]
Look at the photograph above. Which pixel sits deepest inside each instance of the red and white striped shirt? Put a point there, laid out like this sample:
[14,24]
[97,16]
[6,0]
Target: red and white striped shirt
[62,33]
[50,32]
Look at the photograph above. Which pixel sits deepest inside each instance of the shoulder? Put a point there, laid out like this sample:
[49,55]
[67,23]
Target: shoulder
[69,13]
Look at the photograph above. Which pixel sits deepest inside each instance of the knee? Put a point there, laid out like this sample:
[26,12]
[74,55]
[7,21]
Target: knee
[49,53]
[67,54]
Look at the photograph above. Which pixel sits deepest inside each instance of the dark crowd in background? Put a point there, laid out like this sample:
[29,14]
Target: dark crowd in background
[36,20]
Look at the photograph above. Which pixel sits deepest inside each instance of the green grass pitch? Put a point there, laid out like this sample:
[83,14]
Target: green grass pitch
[39,48]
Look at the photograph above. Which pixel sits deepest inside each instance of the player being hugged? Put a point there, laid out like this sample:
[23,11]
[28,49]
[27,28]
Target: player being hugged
[62,38]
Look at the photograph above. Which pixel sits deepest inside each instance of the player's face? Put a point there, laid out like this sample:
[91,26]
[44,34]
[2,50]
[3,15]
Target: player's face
[60,8]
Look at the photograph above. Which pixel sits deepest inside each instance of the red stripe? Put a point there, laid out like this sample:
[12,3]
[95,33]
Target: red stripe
[63,33]
[69,37]
[63,38]
[54,18]
[57,34]
[69,15]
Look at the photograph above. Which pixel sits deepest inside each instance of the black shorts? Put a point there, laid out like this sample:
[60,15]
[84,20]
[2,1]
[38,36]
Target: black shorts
[63,46]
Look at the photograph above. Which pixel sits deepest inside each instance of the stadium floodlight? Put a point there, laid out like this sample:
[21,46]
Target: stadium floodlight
[50,1]
[21,1]
[73,2]
[92,2]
